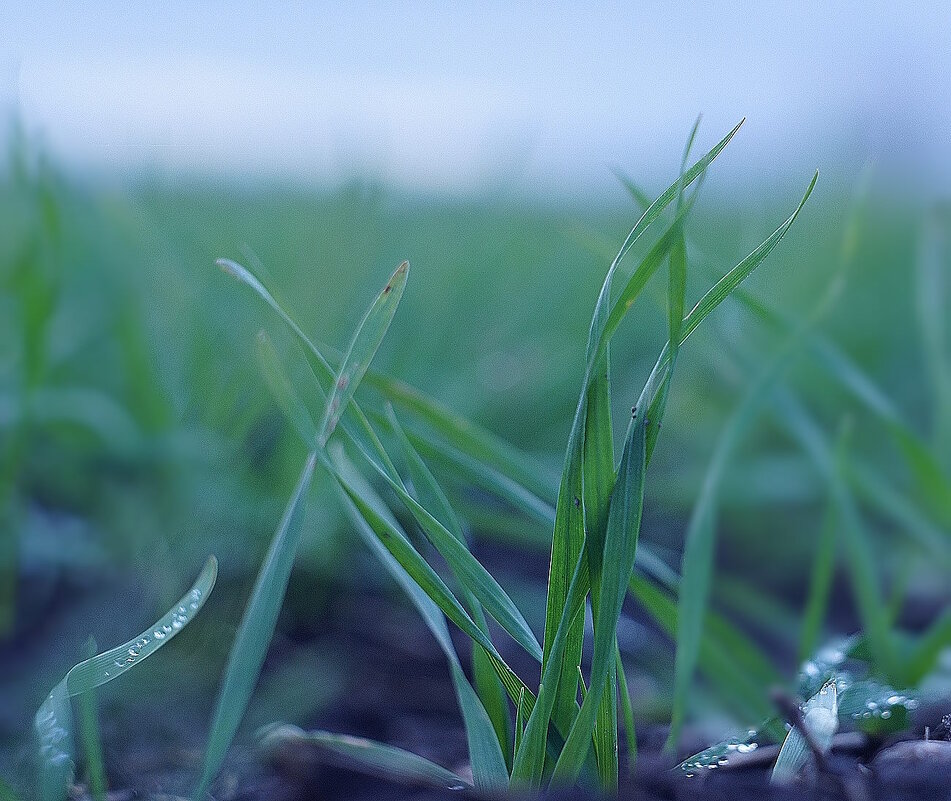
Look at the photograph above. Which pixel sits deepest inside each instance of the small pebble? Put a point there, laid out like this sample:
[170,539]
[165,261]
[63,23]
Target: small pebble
[914,755]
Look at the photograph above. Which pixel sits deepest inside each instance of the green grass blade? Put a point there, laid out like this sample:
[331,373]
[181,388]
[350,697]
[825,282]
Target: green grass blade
[519,728]
[725,286]
[530,758]
[927,650]
[396,542]
[255,631]
[642,274]
[858,552]
[568,533]
[384,519]
[53,721]
[620,547]
[909,520]
[699,542]
[366,340]
[485,751]
[431,495]
[930,479]
[495,480]
[384,761]
[630,733]
[655,209]
[283,393]
[486,758]
[931,295]
[465,436]
[598,482]
[820,588]
[740,672]
[470,572]
[90,735]
[325,376]
[569,529]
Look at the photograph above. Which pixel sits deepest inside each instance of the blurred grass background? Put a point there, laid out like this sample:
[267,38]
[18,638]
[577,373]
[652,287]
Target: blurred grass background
[137,436]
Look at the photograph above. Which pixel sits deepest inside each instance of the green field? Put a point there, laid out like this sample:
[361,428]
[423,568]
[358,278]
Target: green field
[138,435]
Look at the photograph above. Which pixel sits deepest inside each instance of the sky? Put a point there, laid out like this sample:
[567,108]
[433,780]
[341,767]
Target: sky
[457,97]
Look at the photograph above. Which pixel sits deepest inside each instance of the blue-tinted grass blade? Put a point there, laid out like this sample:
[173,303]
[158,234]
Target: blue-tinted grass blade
[255,631]
[485,752]
[375,758]
[366,340]
[53,721]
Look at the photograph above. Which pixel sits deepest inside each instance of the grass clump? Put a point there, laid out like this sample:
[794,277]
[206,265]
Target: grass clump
[558,738]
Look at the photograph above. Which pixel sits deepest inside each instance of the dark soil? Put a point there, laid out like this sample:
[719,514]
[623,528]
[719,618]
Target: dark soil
[393,686]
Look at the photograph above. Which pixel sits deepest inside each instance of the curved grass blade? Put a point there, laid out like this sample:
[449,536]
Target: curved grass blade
[483,447]
[927,650]
[725,286]
[485,475]
[396,542]
[530,757]
[326,378]
[931,295]
[930,479]
[283,393]
[909,519]
[382,524]
[53,721]
[255,631]
[384,761]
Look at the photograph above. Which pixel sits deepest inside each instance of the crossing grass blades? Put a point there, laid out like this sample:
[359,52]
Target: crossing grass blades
[565,730]
[559,736]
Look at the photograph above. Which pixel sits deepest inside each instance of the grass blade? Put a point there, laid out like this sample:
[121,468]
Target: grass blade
[465,436]
[368,756]
[725,286]
[858,552]
[738,672]
[931,294]
[485,751]
[620,547]
[255,632]
[820,715]
[630,733]
[53,721]
[428,491]
[283,393]
[699,542]
[530,758]
[930,479]
[568,533]
[385,528]
[366,340]
[90,735]
[820,588]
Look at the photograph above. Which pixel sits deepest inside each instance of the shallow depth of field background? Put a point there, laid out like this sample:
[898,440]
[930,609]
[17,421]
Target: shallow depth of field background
[482,144]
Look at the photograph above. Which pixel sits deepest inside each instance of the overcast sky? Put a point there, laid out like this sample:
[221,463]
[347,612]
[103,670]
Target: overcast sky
[458,96]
